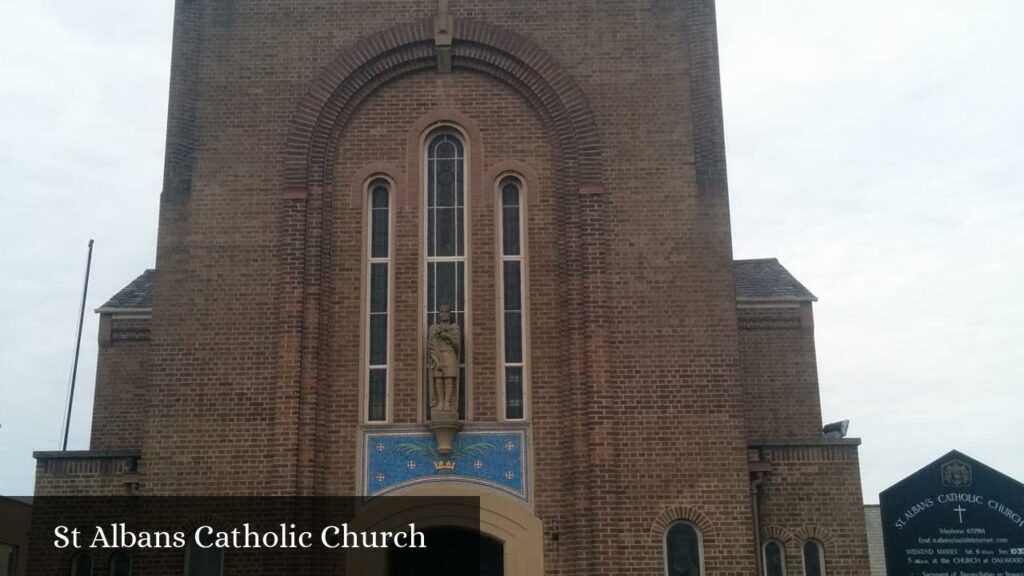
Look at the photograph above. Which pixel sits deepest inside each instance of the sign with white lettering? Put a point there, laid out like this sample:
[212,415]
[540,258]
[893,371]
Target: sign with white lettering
[954,517]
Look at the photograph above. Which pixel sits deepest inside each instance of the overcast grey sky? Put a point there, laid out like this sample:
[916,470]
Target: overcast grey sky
[874,147]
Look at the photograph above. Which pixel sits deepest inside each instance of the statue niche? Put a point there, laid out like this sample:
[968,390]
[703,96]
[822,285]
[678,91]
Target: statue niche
[444,349]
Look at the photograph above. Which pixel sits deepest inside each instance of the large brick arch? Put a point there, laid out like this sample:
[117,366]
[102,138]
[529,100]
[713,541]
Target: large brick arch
[776,533]
[684,513]
[406,48]
[822,535]
[307,182]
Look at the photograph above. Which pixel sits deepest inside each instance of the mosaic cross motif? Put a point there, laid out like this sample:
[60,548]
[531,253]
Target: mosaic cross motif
[396,459]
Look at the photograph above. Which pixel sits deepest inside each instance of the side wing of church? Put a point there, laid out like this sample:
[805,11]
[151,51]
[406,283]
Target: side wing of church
[471,247]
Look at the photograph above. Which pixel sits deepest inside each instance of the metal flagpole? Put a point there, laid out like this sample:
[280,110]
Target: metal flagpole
[78,347]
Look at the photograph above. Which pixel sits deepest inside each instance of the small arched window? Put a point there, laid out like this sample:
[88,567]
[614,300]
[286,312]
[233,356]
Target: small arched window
[774,558]
[814,558]
[512,268]
[203,561]
[378,270]
[120,564]
[683,554]
[81,565]
[446,239]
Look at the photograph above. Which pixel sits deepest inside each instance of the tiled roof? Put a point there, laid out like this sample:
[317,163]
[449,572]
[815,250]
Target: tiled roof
[765,280]
[136,296]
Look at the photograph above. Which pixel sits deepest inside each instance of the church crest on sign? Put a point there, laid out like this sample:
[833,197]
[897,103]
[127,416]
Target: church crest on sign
[956,474]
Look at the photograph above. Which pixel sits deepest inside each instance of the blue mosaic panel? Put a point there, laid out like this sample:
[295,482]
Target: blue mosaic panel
[492,458]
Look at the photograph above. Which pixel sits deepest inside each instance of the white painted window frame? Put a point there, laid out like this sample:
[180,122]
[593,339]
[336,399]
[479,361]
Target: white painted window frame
[821,555]
[372,183]
[426,259]
[764,556]
[700,544]
[524,298]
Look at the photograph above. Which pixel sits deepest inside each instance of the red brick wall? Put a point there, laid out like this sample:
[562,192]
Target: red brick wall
[122,376]
[637,410]
[376,141]
[84,476]
[779,372]
[637,402]
[813,492]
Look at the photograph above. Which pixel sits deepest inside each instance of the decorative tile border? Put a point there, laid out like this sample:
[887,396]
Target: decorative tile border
[396,457]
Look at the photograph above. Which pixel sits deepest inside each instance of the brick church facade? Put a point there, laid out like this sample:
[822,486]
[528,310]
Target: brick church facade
[554,172]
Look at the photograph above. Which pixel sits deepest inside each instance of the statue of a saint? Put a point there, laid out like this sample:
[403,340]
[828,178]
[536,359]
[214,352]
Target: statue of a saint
[444,346]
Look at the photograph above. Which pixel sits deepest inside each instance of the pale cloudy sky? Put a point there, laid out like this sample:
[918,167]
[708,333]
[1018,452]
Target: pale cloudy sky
[874,147]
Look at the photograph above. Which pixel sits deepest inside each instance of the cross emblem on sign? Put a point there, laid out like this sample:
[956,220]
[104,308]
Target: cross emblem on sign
[960,512]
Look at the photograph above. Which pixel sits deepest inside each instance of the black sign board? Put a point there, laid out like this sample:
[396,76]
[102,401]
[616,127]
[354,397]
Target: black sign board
[954,517]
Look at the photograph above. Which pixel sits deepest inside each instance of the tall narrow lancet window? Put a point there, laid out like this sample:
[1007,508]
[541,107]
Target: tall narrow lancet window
[513,369]
[378,273]
[774,559]
[814,559]
[446,238]
[683,555]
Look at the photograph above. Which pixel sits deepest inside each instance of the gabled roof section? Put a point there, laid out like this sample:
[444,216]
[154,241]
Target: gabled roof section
[135,297]
[765,280]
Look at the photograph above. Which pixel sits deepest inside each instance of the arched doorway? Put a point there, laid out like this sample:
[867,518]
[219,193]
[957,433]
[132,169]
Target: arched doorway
[517,534]
[451,551]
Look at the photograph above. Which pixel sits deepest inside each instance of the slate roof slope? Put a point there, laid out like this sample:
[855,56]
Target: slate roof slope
[760,280]
[137,296]
[765,280]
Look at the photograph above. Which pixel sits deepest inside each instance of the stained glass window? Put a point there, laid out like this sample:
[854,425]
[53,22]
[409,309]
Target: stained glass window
[512,298]
[814,559]
[774,559]
[378,272]
[682,550]
[446,238]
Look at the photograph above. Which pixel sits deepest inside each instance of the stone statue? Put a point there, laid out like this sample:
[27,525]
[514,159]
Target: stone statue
[444,347]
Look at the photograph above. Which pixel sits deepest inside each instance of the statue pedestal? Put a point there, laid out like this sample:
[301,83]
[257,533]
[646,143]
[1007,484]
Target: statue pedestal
[444,425]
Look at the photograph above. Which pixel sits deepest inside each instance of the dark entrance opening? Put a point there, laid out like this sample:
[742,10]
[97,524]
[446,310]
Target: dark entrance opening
[450,552]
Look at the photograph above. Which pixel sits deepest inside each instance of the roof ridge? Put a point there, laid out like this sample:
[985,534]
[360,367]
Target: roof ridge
[767,280]
[137,295]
